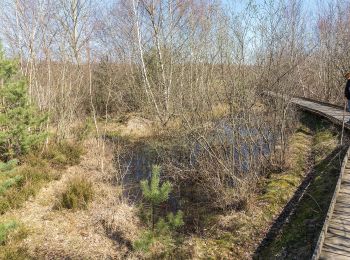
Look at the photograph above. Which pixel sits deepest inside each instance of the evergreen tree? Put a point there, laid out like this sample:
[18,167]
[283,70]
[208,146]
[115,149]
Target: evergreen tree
[19,121]
[155,194]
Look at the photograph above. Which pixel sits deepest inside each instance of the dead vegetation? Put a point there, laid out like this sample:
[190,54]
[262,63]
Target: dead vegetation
[91,233]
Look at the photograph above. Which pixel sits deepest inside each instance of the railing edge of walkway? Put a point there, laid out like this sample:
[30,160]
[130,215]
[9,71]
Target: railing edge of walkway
[323,233]
[319,113]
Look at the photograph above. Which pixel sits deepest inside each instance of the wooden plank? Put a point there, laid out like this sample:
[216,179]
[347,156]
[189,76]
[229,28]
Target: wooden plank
[337,220]
[331,253]
[337,246]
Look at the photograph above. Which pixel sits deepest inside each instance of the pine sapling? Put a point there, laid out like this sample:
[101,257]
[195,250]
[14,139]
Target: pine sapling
[20,121]
[153,192]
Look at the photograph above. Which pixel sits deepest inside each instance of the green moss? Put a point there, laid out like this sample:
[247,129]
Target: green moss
[279,188]
[298,237]
[325,143]
[323,136]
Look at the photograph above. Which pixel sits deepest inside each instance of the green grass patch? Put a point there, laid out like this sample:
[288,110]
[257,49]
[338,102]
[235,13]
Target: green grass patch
[325,143]
[11,234]
[241,232]
[27,181]
[22,179]
[279,187]
[299,235]
[19,182]
[64,154]
[78,194]
[8,183]
[5,229]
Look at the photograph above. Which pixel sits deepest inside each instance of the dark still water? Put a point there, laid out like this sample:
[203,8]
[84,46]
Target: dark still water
[248,145]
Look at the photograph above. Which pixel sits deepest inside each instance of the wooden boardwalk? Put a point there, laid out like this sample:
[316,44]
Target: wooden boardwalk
[334,239]
[332,112]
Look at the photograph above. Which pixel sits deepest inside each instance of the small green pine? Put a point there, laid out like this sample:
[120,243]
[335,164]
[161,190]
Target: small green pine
[19,120]
[162,230]
[153,192]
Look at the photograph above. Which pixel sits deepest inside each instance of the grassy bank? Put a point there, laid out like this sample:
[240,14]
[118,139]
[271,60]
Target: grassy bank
[297,237]
[313,159]
[21,180]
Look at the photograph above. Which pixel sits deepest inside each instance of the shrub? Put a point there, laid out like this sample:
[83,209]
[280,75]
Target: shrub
[78,194]
[8,166]
[145,241]
[64,153]
[26,181]
[5,229]
[35,160]
[19,120]
[8,176]
[8,183]
[83,131]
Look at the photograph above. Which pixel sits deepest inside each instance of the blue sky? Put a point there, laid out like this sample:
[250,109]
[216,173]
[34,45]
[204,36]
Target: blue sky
[309,5]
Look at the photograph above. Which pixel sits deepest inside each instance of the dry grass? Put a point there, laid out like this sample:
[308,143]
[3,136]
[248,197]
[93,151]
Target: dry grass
[133,127]
[220,110]
[97,233]
[11,233]
[78,194]
[107,228]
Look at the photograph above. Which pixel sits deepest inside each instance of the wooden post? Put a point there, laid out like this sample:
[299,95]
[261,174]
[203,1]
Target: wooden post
[342,130]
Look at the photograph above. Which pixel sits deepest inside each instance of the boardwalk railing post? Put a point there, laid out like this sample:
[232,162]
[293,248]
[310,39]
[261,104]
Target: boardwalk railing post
[342,130]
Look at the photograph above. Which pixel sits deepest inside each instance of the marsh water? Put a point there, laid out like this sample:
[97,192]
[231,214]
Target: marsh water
[183,152]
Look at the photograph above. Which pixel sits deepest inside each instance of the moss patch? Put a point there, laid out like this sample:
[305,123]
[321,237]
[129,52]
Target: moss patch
[280,186]
[298,236]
